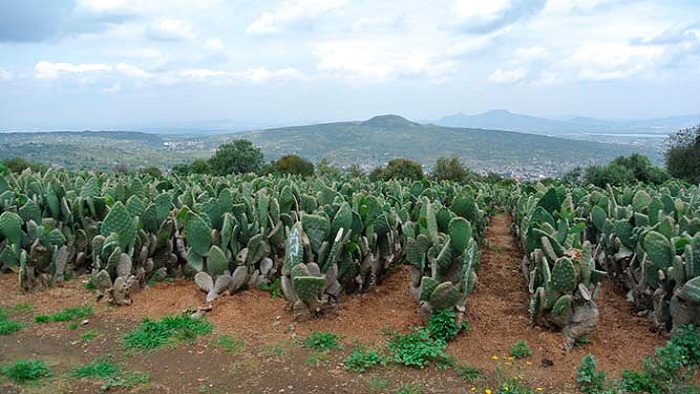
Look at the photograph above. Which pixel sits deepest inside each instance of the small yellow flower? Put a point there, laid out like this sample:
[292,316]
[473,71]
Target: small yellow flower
[528,363]
[494,357]
[473,389]
[539,389]
[507,363]
[487,391]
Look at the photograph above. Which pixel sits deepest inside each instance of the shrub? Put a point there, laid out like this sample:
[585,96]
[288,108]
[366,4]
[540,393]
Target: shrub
[589,380]
[360,359]
[417,348]
[443,325]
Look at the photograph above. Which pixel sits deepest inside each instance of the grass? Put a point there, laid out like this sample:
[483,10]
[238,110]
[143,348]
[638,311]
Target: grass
[416,348]
[469,373]
[27,370]
[361,359]
[126,382]
[317,358]
[377,385]
[152,334]
[228,343]
[8,326]
[319,340]
[68,314]
[100,368]
[410,388]
[275,349]
[89,335]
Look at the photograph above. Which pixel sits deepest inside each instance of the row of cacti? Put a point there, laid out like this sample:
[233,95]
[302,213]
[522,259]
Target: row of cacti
[228,233]
[558,265]
[647,240]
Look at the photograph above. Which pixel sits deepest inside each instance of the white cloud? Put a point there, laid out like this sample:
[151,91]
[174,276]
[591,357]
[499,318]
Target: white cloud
[214,44]
[132,71]
[531,53]
[116,87]
[488,10]
[507,77]
[170,29]
[101,7]
[609,61]
[261,75]
[290,15]
[48,70]
[5,75]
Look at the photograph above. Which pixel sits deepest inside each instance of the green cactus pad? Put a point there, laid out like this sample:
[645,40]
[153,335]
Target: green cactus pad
[641,201]
[416,250]
[197,234]
[460,233]
[691,290]
[445,296]
[309,288]
[300,270]
[428,285]
[658,249]
[563,310]
[11,227]
[564,275]
[217,262]
[598,217]
[294,249]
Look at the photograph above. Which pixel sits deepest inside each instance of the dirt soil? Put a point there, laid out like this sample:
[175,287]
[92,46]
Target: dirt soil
[269,357]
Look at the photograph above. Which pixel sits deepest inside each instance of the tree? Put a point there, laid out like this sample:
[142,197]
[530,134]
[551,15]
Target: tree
[402,168]
[683,155]
[293,164]
[642,168]
[452,169]
[237,157]
[326,168]
[18,164]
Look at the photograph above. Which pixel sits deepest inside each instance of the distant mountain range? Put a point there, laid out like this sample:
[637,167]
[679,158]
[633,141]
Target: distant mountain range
[368,143]
[506,120]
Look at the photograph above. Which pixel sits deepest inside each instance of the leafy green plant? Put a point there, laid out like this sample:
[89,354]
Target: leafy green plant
[100,368]
[151,334]
[520,349]
[131,380]
[319,340]
[590,381]
[228,343]
[417,348]
[67,314]
[274,288]
[443,325]
[25,370]
[361,359]
[638,382]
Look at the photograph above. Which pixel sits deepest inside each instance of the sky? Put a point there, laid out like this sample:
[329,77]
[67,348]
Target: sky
[115,64]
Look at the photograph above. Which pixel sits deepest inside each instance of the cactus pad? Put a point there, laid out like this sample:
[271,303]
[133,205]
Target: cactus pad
[309,288]
[564,275]
[658,249]
[691,290]
[445,296]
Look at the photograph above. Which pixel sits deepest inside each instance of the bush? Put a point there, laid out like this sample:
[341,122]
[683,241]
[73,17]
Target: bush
[590,381]
[318,340]
[293,164]
[238,157]
[451,169]
[361,359]
[443,325]
[520,349]
[398,169]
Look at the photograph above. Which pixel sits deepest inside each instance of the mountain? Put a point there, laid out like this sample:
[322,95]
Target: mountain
[576,127]
[369,143]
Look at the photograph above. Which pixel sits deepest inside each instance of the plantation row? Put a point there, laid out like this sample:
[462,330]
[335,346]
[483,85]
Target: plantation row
[646,239]
[320,238]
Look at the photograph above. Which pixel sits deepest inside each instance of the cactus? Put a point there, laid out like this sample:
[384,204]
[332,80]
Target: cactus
[658,249]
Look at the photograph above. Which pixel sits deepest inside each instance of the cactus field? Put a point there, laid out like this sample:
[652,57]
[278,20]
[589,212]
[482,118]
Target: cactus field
[264,261]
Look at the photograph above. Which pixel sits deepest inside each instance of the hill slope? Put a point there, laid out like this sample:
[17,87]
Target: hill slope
[369,143]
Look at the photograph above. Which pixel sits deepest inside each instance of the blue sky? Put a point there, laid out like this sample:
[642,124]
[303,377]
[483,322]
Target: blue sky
[77,64]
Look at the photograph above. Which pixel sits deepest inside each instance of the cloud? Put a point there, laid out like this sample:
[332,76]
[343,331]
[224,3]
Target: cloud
[291,15]
[112,88]
[485,17]
[507,77]
[675,35]
[598,61]
[170,29]
[5,75]
[48,70]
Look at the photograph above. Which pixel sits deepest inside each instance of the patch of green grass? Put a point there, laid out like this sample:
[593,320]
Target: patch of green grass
[377,385]
[361,359]
[520,349]
[100,368]
[23,307]
[89,335]
[68,314]
[411,388]
[8,326]
[275,349]
[228,343]
[170,329]
[128,382]
[73,325]
[469,373]
[317,358]
[26,370]
[89,285]
[319,340]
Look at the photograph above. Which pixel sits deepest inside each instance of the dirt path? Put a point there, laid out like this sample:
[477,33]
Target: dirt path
[269,358]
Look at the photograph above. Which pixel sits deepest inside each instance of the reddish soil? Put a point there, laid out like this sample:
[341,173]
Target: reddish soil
[271,359]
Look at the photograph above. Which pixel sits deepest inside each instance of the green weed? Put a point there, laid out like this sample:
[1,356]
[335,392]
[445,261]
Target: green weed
[318,340]
[153,334]
[417,348]
[131,380]
[274,288]
[361,359]
[229,344]
[317,358]
[411,388]
[67,314]
[8,326]
[89,335]
[520,349]
[100,368]
[27,370]
[443,325]
[590,381]
[469,373]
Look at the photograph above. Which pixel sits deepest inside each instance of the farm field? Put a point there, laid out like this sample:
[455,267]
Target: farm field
[267,357]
